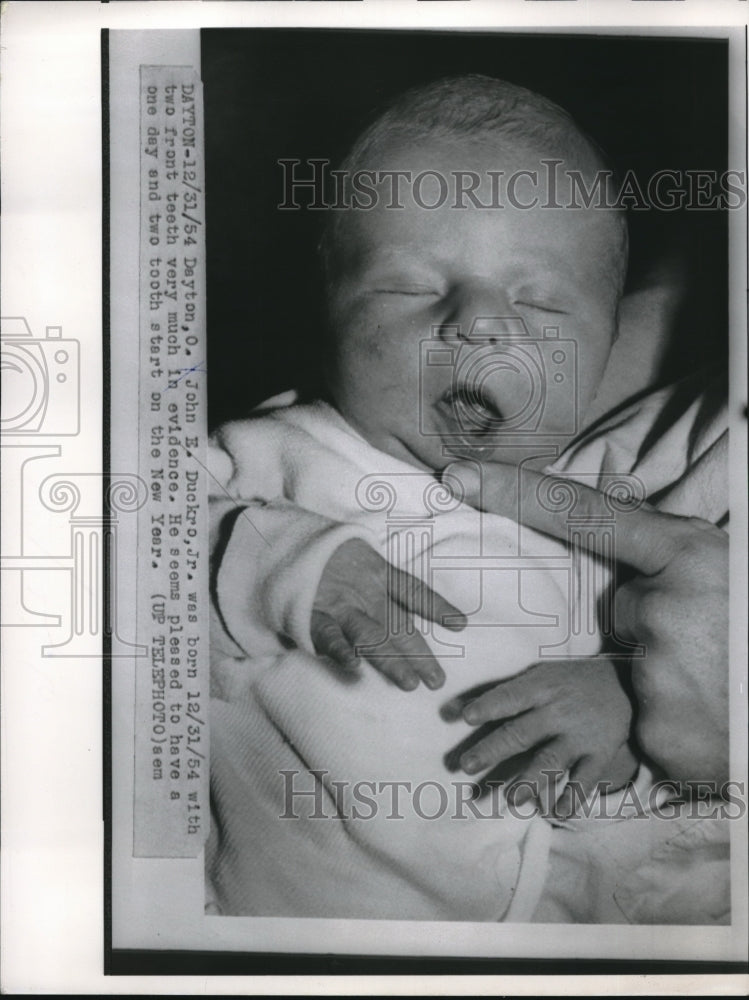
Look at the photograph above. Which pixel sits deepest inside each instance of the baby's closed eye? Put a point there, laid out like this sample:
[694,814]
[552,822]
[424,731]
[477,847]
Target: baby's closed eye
[542,307]
[406,291]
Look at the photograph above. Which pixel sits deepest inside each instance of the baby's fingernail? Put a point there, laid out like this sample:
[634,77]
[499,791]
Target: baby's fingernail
[470,763]
[471,714]
[434,681]
[409,682]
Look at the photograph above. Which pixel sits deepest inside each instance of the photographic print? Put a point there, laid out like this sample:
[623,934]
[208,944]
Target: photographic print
[449,399]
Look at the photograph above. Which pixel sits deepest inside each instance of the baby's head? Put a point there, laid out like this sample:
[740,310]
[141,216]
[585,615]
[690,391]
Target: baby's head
[444,311]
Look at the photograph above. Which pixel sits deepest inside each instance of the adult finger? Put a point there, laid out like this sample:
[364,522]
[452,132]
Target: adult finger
[631,624]
[647,541]
[417,597]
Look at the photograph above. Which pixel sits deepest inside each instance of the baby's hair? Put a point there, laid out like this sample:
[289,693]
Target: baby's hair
[481,108]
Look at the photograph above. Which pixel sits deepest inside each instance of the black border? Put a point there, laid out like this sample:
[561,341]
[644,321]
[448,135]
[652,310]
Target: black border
[205,963]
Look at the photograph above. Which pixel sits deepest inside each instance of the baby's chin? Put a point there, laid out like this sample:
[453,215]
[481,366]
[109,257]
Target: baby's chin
[533,455]
[435,454]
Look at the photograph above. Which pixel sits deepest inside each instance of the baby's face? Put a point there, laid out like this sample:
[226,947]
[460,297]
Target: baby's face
[443,319]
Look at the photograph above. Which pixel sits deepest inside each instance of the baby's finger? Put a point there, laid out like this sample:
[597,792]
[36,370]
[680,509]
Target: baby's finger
[413,651]
[329,640]
[452,710]
[371,641]
[402,654]
[541,779]
[508,740]
[584,776]
[420,658]
[503,701]
[592,777]
[418,597]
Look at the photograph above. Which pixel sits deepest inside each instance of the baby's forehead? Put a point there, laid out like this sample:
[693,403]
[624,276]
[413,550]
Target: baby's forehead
[465,148]
[468,204]
[502,153]
[390,231]
[488,172]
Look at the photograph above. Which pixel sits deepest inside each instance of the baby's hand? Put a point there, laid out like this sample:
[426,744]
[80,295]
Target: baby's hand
[360,601]
[563,715]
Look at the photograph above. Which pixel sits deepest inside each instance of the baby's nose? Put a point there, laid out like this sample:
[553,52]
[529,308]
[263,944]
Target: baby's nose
[485,315]
[492,329]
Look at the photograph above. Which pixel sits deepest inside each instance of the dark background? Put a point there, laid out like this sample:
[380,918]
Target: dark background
[651,103]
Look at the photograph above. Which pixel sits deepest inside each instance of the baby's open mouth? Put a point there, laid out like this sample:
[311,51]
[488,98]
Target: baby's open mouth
[468,420]
[468,409]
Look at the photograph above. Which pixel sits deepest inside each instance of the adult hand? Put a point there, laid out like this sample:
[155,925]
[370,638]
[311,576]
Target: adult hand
[676,606]
[361,599]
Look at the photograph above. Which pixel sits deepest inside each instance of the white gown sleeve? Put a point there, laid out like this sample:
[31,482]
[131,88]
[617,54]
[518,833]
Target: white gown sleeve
[267,553]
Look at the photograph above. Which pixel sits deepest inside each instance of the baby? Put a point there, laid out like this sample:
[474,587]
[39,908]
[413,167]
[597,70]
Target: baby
[468,316]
